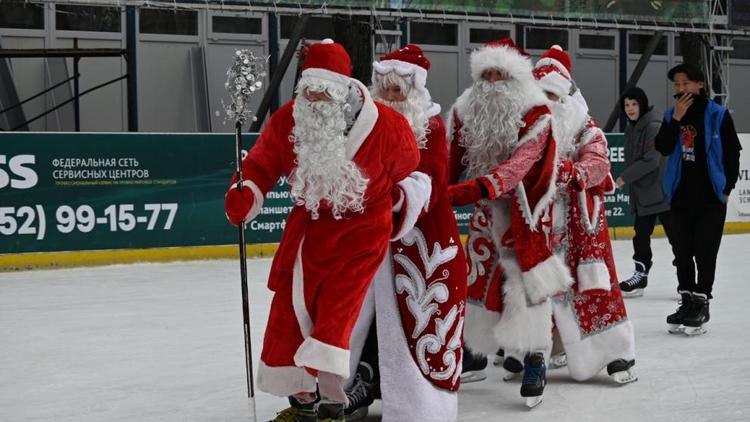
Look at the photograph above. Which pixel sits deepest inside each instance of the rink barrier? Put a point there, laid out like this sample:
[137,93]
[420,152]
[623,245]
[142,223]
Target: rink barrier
[53,260]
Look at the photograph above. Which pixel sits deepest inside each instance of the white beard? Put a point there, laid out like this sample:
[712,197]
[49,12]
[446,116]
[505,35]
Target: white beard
[323,172]
[491,122]
[414,108]
[568,118]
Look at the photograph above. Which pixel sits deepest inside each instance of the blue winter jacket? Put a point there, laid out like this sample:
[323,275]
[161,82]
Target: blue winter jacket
[714,115]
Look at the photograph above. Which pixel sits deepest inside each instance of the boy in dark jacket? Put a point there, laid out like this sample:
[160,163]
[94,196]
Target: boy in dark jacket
[699,137]
[644,171]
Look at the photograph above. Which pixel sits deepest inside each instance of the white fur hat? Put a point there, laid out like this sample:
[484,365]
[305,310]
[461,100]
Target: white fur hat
[503,55]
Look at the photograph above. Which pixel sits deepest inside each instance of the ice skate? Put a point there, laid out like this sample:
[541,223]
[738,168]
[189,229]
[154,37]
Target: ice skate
[360,395]
[332,412]
[534,379]
[698,316]
[499,357]
[621,371]
[512,368]
[473,366]
[675,320]
[636,284]
[558,361]
[297,412]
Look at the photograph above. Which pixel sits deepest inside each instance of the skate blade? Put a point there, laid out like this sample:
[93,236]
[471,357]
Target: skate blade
[624,377]
[532,402]
[510,376]
[694,331]
[633,293]
[558,362]
[357,415]
[498,361]
[675,329]
[473,376]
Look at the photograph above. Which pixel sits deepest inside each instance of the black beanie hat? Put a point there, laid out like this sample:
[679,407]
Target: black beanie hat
[635,93]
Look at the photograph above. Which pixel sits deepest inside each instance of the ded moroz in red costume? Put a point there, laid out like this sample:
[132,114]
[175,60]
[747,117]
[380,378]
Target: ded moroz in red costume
[418,297]
[338,233]
[501,139]
[590,317]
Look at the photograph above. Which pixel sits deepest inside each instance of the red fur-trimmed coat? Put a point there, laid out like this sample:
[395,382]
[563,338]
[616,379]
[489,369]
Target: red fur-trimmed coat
[510,258]
[591,316]
[430,274]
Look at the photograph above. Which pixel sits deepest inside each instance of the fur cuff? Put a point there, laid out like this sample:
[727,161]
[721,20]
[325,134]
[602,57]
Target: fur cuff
[593,276]
[523,327]
[479,322]
[323,357]
[417,189]
[284,381]
[546,279]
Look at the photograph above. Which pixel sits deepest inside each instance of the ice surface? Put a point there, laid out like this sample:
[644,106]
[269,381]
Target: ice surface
[163,342]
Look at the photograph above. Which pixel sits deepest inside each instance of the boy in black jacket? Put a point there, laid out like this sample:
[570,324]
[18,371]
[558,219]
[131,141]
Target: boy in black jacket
[699,137]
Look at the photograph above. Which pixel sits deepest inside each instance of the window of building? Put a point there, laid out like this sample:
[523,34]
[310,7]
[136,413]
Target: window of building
[637,44]
[596,42]
[317,28]
[485,35]
[168,21]
[237,25]
[88,18]
[544,38]
[433,33]
[21,15]
[741,49]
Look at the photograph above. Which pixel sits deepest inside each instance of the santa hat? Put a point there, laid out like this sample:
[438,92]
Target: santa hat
[552,71]
[329,61]
[410,63]
[503,55]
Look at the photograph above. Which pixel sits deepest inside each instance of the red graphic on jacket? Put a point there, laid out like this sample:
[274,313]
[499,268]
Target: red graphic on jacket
[687,140]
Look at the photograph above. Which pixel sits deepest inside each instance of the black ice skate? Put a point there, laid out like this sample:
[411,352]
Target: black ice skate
[698,316]
[635,285]
[297,412]
[621,371]
[513,367]
[675,320]
[558,361]
[473,366]
[360,395]
[534,379]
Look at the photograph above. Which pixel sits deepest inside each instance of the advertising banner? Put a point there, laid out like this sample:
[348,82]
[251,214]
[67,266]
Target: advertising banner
[90,191]
[738,207]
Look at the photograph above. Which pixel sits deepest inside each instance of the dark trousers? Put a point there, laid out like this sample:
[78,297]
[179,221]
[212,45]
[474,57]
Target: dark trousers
[697,236]
[644,228]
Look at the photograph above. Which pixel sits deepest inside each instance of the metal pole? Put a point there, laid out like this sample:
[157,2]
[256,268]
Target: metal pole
[278,74]
[132,67]
[634,77]
[273,52]
[76,87]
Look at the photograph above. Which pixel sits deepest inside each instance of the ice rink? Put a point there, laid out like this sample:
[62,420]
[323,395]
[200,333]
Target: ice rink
[163,342]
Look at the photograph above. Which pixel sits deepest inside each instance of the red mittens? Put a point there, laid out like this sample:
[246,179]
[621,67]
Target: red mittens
[237,204]
[565,172]
[465,193]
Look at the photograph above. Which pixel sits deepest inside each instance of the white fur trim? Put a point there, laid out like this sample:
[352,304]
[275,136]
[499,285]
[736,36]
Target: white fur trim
[522,327]
[458,108]
[313,353]
[591,223]
[320,73]
[364,321]
[366,120]
[258,203]
[417,188]
[532,216]
[587,356]
[593,276]
[285,381]
[546,279]
[298,295]
[503,58]
[555,83]
[433,110]
[479,322]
